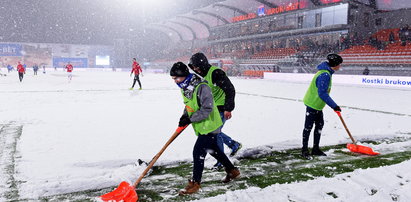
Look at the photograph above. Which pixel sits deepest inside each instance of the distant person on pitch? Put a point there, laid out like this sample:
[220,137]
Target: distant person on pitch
[9,68]
[35,69]
[69,69]
[366,71]
[21,70]
[136,69]
[315,99]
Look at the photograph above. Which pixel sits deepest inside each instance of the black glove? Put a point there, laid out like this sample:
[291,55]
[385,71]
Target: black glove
[337,109]
[184,120]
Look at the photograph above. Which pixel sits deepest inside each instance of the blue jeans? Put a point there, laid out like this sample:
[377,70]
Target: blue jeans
[222,138]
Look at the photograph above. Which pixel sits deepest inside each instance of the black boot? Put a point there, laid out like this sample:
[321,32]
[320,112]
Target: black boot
[305,153]
[317,152]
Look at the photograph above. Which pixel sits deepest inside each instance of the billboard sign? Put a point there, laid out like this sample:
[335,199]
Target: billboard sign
[11,50]
[76,62]
[361,80]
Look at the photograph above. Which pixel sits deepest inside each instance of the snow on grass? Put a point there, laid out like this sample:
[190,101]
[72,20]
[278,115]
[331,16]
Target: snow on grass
[87,133]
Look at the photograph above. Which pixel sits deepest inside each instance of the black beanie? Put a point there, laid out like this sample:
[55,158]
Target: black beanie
[334,59]
[179,69]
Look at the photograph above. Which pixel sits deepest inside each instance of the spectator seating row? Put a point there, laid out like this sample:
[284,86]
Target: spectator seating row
[276,53]
[234,54]
[384,35]
[393,54]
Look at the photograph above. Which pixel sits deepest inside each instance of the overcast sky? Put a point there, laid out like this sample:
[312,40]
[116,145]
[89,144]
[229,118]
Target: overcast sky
[84,21]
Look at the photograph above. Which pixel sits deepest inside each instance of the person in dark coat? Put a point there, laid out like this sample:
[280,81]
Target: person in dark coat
[223,93]
[35,69]
[366,71]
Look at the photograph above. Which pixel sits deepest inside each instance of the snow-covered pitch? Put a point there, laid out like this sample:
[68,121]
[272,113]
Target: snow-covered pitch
[88,133]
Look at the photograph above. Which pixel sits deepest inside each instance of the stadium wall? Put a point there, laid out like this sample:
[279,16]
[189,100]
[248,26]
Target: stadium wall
[359,80]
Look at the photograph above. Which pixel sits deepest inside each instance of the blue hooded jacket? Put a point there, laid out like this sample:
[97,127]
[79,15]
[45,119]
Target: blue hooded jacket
[322,82]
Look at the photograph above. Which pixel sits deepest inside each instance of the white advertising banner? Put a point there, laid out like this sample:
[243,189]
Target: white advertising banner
[378,81]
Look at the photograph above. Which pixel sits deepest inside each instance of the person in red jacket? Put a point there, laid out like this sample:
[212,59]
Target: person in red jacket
[136,70]
[69,69]
[21,71]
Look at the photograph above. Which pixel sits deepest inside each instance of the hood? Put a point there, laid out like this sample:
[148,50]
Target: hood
[199,60]
[325,66]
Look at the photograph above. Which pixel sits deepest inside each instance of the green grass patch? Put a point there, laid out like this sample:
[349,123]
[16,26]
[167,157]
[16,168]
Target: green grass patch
[277,167]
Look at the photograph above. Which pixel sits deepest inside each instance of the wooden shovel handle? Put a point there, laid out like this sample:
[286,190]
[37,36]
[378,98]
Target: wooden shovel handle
[172,138]
[345,126]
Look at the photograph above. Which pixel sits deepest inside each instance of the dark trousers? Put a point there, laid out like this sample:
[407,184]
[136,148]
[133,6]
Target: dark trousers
[136,78]
[21,74]
[207,144]
[312,117]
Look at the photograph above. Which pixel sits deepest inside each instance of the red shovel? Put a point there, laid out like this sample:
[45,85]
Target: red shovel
[354,147]
[126,192]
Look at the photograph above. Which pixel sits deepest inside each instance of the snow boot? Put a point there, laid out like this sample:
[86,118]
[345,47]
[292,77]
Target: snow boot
[218,166]
[231,175]
[191,188]
[234,150]
[317,152]
[305,153]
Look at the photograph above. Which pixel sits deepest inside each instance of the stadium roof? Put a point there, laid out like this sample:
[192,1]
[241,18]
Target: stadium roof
[197,23]
[102,21]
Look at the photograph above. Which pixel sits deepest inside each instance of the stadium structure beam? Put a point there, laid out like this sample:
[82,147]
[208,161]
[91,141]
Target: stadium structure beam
[186,26]
[269,4]
[373,3]
[316,2]
[231,8]
[212,15]
[197,20]
[159,26]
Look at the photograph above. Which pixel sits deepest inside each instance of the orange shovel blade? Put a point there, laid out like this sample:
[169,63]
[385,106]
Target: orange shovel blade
[124,192]
[361,149]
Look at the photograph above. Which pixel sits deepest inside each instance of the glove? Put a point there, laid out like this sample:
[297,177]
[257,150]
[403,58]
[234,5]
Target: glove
[184,120]
[337,109]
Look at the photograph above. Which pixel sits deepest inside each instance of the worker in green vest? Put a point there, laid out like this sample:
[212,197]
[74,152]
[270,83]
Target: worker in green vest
[316,97]
[223,92]
[202,113]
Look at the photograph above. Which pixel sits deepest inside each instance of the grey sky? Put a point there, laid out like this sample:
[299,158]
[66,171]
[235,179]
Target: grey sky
[84,21]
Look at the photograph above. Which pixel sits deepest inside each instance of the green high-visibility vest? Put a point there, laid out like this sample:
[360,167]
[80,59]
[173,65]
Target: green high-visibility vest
[218,93]
[208,125]
[311,98]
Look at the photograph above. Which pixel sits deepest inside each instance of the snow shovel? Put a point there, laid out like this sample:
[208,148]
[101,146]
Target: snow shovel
[126,192]
[354,147]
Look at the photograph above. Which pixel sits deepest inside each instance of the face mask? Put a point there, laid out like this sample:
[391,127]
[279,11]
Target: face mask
[185,82]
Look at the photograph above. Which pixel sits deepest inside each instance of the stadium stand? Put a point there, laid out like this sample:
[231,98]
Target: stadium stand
[296,39]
